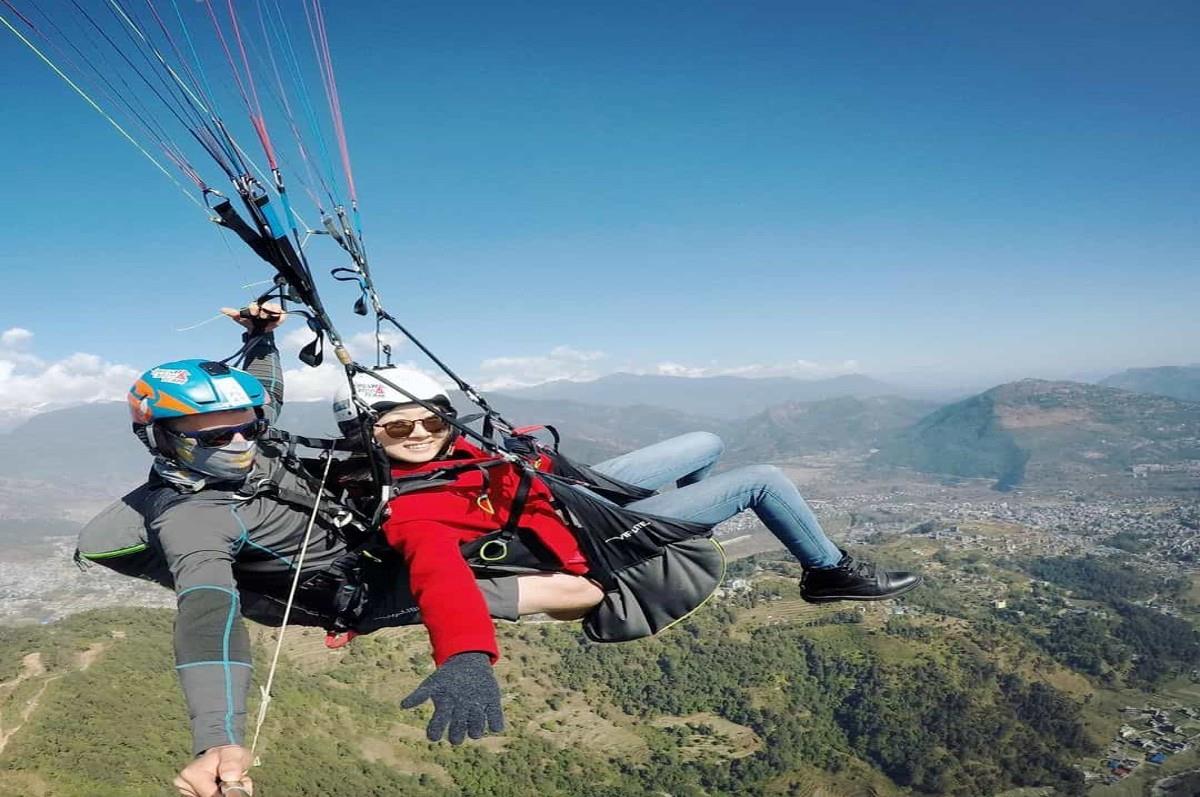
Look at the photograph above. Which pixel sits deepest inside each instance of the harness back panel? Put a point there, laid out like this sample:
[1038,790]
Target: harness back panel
[655,571]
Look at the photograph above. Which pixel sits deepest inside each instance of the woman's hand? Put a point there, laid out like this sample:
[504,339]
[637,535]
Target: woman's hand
[466,698]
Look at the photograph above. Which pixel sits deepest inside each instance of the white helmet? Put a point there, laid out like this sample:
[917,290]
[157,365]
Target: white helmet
[377,395]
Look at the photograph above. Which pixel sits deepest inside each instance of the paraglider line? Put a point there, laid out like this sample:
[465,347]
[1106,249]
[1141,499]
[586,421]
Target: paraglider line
[124,133]
[287,611]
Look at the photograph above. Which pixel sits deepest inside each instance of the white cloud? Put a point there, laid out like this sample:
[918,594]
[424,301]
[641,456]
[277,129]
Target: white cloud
[362,345]
[678,369]
[29,384]
[304,383]
[313,384]
[800,369]
[576,365]
[294,339]
[15,338]
[562,362]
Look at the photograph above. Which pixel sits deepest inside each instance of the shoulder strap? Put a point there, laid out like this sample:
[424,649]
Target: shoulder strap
[518,503]
[320,443]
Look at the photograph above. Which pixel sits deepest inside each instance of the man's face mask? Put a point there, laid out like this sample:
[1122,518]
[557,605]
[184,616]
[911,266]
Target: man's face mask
[230,462]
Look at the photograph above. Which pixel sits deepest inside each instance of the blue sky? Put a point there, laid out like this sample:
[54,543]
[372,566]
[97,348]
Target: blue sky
[948,192]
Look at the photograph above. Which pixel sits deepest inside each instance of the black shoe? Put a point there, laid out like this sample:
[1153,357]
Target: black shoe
[855,581]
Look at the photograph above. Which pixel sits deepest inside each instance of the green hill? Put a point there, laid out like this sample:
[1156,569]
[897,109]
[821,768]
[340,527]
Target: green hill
[797,428]
[1049,433]
[827,703]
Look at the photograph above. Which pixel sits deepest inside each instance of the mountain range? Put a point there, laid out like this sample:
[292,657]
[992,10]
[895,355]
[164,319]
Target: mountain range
[1042,432]
[1032,432]
[715,396]
[837,424]
[1175,381]
[91,448]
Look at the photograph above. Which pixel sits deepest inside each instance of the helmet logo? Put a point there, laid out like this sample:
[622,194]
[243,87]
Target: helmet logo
[374,390]
[172,376]
[231,392]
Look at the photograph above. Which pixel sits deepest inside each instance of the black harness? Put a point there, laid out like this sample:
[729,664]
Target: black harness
[654,570]
[342,590]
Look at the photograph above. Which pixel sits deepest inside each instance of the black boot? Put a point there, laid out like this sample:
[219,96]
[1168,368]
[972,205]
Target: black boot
[855,581]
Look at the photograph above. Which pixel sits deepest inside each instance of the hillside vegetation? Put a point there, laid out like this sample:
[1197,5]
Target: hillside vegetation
[847,423]
[832,702]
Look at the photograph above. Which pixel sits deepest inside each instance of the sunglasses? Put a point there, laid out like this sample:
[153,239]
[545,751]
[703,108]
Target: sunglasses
[223,436]
[398,430]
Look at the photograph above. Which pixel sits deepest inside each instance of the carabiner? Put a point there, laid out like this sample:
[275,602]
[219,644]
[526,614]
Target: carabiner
[483,551]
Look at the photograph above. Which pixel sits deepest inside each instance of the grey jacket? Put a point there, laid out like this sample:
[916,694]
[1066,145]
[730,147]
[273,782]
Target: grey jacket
[221,547]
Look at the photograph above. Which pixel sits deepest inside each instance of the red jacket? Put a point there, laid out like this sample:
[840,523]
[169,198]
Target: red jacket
[428,526]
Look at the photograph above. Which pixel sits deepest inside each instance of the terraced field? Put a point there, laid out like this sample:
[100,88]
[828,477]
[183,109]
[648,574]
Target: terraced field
[790,610]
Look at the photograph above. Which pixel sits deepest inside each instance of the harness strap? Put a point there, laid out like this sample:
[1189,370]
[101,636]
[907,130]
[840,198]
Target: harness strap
[518,504]
[338,517]
[296,466]
[332,511]
[320,443]
[435,475]
[527,431]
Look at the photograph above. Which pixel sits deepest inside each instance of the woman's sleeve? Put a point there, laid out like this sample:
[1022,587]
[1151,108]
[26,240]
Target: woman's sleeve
[452,607]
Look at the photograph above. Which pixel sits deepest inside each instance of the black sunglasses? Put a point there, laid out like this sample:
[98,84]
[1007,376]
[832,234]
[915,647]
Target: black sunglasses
[398,430]
[223,435]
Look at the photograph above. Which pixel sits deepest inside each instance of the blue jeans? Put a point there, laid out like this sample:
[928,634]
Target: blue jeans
[687,460]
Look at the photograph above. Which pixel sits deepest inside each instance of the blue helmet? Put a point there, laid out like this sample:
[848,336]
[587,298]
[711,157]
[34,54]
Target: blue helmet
[190,387]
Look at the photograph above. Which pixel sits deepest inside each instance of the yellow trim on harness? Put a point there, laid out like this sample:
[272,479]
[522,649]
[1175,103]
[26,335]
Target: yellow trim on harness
[485,503]
[132,549]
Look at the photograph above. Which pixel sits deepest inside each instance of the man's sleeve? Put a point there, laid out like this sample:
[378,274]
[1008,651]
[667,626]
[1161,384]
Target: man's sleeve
[452,607]
[212,647]
[262,361]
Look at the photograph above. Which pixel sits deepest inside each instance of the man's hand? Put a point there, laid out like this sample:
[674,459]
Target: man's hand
[217,765]
[466,698]
[257,318]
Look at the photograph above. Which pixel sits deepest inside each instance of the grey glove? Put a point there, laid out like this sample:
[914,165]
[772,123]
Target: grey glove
[466,698]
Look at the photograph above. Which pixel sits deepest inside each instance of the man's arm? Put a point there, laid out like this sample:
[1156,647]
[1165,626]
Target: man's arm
[212,646]
[262,362]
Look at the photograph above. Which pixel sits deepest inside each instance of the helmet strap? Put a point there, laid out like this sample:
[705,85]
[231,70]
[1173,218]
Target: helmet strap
[163,446]
[145,433]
